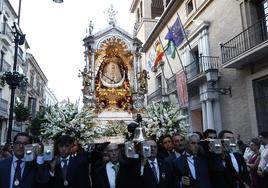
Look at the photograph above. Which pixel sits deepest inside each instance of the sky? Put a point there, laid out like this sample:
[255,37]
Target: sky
[55,33]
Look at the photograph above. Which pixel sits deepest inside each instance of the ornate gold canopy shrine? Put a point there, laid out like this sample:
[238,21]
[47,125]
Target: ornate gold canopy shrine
[112,70]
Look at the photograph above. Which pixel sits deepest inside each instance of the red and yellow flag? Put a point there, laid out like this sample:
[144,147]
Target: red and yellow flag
[159,54]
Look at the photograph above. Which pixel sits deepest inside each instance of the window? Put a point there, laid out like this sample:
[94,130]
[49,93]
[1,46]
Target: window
[138,15]
[157,8]
[4,25]
[2,61]
[31,79]
[158,81]
[261,102]
[32,106]
[38,86]
[189,7]
[141,10]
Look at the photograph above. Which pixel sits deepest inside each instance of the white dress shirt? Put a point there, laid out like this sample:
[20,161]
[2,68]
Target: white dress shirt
[13,168]
[62,159]
[111,174]
[234,162]
[39,161]
[61,164]
[264,159]
[177,154]
[190,161]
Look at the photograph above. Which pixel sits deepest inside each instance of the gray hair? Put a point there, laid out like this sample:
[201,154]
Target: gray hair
[189,137]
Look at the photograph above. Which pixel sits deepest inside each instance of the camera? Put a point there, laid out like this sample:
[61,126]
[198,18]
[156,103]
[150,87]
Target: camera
[130,150]
[48,153]
[229,145]
[134,150]
[217,146]
[30,152]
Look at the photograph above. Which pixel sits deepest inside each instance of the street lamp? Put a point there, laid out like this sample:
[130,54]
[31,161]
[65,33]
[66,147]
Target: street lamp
[13,79]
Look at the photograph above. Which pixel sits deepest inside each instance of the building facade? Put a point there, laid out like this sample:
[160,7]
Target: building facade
[7,17]
[49,97]
[35,94]
[223,58]
[37,81]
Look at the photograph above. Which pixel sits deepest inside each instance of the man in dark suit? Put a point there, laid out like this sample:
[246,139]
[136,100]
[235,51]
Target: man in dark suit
[191,167]
[229,170]
[178,148]
[114,173]
[67,171]
[156,173]
[16,173]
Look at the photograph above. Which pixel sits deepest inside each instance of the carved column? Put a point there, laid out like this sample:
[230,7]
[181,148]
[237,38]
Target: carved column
[137,62]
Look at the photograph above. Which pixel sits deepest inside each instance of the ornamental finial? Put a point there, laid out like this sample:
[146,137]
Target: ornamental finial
[111,15]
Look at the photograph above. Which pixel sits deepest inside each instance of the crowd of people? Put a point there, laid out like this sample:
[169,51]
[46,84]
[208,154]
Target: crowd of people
[197,160]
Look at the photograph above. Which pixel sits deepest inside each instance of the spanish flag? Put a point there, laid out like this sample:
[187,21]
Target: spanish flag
[159,54]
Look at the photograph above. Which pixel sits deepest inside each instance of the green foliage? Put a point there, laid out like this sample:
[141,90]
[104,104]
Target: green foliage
[12,78]
[35,127]
[22,113]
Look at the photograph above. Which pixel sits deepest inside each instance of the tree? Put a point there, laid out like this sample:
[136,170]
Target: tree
[22,113]
[35,127]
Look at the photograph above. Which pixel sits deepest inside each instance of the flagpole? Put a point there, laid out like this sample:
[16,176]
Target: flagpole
[165,55]
[183,68]
[188,43]
[186,37]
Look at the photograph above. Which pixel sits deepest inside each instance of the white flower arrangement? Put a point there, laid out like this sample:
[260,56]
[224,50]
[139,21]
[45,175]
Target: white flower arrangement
[110,128]
[165,118]
[65,119]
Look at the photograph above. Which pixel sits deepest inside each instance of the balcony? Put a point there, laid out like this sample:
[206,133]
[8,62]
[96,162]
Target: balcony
[249,46]
[5,66]
[172,84]
[3,108]
[7,34]
[156,96]
[196,70]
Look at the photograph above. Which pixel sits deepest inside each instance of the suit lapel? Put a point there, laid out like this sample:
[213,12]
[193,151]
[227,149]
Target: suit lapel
[26,171]
[70,168]
[8,170]
[197,166]
[105,176]
[161,171]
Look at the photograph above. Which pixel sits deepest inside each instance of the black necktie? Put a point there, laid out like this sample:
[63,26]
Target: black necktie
[154,170]
[64,169]
[17,175]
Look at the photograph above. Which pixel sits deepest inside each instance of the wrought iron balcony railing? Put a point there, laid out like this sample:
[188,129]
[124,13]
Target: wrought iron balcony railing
[172,83]
[246,40]
[156,95]
[3,108]
[200,65]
